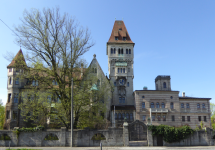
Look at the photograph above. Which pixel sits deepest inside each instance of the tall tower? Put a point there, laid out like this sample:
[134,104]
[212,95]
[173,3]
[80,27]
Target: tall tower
[120,51]
[14,85]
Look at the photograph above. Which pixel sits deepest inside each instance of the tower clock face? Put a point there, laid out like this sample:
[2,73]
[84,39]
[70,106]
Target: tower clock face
[121,81]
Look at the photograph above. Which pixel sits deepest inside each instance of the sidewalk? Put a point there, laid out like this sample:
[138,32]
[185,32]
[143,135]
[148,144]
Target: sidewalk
[116,148]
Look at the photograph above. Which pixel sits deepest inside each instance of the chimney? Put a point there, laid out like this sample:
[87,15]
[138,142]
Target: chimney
[82,70]
[183,94]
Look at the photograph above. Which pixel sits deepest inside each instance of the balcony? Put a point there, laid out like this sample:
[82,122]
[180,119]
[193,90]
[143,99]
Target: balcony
[199,110]
[159,110]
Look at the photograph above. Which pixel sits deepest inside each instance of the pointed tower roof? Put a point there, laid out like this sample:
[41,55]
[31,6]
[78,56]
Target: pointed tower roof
[18,60]
[120,31]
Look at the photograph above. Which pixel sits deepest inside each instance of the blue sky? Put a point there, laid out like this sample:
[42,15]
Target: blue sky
[175,38]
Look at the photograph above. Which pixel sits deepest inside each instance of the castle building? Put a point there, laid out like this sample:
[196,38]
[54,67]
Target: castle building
[159,106]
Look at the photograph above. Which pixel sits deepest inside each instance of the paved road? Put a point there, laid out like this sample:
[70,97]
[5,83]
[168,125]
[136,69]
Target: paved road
[118,148]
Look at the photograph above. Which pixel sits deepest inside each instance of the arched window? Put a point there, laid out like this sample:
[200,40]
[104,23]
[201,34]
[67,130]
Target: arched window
[203,105]
[129,51]
[126,51]
[143,104]
[123,115]
[164,85]
[121,51]
[114,51]
[111,51]
[17,81]
[131,116]
[119,116]
[127,116]
[187,105]
[171,105]
[198,105]
[157,105]
[116,116]
[182,105]
[163,105]
[152,105]
[10,80]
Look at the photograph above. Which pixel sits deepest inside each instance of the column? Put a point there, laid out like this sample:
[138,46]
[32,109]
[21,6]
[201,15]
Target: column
[125,134]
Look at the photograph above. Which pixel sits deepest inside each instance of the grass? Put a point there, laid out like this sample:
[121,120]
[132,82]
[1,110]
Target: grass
[23,149]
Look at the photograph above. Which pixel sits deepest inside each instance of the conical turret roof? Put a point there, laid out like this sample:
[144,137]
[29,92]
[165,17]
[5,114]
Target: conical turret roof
[119,31]
[18,61]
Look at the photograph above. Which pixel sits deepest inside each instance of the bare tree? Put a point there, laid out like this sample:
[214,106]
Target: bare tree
[55,44]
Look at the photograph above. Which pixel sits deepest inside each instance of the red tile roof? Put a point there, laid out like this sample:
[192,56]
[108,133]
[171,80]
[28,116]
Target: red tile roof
[18,59]
[120,31]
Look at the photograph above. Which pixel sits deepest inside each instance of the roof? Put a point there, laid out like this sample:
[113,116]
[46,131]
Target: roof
[120,31]
[123,107]
[186,97]
[18,60]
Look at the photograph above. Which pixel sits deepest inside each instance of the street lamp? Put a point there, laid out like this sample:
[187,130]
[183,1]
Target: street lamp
[72,112]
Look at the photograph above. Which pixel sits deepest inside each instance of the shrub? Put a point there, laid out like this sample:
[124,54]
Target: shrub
[171,134]
[51,137]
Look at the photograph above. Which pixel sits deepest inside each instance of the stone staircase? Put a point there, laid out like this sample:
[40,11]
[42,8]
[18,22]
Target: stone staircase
[138,143]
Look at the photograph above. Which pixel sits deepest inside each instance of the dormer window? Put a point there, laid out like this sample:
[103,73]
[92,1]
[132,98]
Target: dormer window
[124,38]
[116,38]
[120,29]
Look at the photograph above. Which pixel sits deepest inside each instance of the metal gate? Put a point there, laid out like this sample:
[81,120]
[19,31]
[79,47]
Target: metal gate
[137,131]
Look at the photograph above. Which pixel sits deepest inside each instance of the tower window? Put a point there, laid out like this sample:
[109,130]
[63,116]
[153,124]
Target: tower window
[124,38]
[126,51]
[121,51]
[171,105]
[120,29]
[129,51]
[164,85]
[127,84]
[10,69]
[111,51]
[143,104]
[116,38]
[114,51]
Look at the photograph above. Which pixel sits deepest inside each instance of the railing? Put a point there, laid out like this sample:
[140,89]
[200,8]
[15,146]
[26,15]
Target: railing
[194,111]
[159,110]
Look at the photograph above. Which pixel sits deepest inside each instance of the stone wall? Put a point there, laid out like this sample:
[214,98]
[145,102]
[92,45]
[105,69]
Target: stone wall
[198,138]
[82,138]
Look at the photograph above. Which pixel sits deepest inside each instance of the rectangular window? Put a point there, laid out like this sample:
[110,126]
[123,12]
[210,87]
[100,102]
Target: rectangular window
[116,38]
[8,114]
[128,69]
[123,99]
[14,114]
[164,118]
[17,81]
[126,51]
[10,69]
[114,51]
[123,70]
[143,104]
[111,51]
[159,118]
[144,118]
[183,118]
[205,119]
[173,118]
[153,118]
[188,118]
[17,70]
[199,118]
[114,83]
[15,100]
[124,38]
[9,97]
[118,70]
[127,84]
[120,100]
